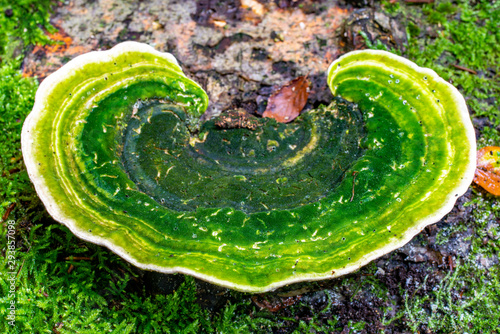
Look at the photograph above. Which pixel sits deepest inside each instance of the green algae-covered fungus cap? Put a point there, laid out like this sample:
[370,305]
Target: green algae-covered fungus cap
[117,152]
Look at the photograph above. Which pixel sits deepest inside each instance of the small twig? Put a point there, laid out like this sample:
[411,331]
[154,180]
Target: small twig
[275,304]
[70,269]
[464,69]
[462,290]
[22,264]
[450,263]
[337,163]
[8,211]
[246,77]
[353,180]
[11,171]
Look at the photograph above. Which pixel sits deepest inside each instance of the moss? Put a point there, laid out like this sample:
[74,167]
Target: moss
[21,23]
[72,286]
[465,300]
[16,100]
[24,21]
[486,210]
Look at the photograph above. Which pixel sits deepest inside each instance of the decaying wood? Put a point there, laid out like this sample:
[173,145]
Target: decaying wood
[236,119]
[275,304]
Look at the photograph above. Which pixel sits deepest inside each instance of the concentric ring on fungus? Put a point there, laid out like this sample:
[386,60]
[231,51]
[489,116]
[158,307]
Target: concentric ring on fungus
[117,152]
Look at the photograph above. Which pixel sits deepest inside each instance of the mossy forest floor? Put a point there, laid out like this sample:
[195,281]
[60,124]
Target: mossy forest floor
[446,280]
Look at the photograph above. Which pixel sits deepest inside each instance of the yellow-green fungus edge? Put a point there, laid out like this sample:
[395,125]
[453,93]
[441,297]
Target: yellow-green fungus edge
[416,156]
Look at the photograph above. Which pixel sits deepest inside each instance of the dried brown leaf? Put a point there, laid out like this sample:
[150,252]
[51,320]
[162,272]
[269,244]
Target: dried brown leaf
[287,103]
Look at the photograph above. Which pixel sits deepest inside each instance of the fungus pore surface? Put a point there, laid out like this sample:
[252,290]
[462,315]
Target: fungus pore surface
[117,152]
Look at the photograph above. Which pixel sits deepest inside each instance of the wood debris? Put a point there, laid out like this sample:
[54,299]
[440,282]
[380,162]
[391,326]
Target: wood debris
[275,304]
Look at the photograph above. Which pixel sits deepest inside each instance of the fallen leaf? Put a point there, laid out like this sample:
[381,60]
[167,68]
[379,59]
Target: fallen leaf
[488,180]
[487,173]
[488,158]
[287,103]
[62,42]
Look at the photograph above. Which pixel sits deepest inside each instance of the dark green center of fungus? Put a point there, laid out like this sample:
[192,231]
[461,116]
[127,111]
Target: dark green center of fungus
[261,167]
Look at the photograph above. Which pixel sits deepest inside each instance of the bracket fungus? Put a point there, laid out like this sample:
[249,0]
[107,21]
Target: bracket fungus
[116,151]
